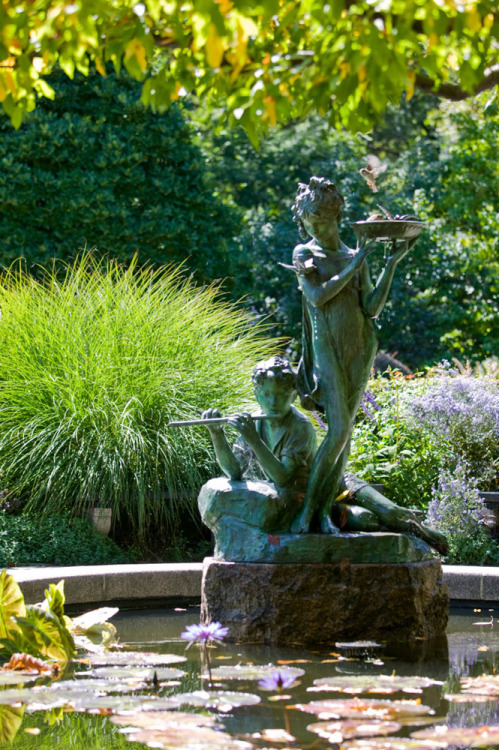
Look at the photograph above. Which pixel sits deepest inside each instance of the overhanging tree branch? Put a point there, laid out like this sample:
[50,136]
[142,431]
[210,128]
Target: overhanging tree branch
[453,91]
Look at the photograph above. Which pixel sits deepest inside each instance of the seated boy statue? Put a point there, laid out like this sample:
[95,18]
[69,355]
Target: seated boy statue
[268,469]
[270,463]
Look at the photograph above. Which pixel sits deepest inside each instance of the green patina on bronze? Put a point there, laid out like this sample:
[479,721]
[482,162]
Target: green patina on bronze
[293,487]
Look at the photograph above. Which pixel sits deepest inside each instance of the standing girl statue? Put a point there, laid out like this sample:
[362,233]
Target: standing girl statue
[339,342]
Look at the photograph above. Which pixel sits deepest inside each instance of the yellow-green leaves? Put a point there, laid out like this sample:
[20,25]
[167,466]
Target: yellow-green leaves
[364,55]
[40,629]
[11,605]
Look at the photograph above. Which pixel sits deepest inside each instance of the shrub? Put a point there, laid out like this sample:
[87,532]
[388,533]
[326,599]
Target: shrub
[95,168]
[462,413]
[54,540]
[409,429]
[94,364]
[388,448]
[456,510]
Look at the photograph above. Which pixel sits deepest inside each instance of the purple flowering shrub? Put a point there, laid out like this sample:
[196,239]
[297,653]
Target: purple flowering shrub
[457,511]
[462,412]
[434,443]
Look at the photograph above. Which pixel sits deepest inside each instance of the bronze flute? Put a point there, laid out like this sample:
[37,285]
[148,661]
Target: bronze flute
[214,420]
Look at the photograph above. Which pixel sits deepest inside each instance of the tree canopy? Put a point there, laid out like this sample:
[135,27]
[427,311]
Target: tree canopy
[259,62]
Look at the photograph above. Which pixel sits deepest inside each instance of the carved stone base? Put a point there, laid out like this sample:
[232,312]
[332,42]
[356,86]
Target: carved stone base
[306,603]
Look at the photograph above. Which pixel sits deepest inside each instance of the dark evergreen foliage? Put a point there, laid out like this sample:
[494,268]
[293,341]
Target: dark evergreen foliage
[94,168]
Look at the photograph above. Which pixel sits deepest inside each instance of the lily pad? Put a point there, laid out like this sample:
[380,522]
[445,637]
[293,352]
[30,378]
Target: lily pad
[366,708]
[200,738]
[144,720]
[90,619]
[134,659]
[253,672]
[483,685]
[468,698]
[146,674]
[337,731]
[121,705]
[380,684]
[390,743]
[178,730]
[274,735]
[35,698]
[96,685]
[461,736]
[221,700]
[18,678]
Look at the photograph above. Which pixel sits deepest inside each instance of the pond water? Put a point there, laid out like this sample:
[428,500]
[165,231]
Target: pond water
[469,651]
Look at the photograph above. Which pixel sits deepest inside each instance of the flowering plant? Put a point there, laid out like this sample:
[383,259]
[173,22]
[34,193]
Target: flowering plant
[457,511]
[205,635]
[462,412]
[213,632]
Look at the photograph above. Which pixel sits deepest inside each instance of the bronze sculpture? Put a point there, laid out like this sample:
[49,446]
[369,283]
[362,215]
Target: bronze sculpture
[339,342]
[276,482]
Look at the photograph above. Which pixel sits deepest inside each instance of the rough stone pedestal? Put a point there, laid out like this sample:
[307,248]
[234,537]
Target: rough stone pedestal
[306,603]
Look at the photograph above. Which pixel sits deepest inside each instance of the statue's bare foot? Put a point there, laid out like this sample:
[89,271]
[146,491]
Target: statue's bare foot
[301,525]
[327,526]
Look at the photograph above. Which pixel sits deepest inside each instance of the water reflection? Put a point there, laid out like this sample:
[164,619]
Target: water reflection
[468,650]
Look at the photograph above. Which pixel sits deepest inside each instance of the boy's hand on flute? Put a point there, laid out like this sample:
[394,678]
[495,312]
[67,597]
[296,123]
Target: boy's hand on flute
[215,429]
[245,426]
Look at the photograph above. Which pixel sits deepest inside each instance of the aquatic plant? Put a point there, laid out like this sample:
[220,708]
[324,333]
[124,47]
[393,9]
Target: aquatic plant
[43,631]
[277,681]
[213,632]
[204,636]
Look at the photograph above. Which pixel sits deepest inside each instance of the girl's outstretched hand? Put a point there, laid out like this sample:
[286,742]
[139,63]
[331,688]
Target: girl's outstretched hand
[397,254]
[365,246]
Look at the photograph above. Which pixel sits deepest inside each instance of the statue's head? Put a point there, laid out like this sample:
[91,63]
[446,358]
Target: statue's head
[319,199]
[275,385]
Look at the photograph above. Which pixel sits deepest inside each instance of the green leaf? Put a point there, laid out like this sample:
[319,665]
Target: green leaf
[55,599]
[44,629]
[42,88]
[11,604]
[10,720]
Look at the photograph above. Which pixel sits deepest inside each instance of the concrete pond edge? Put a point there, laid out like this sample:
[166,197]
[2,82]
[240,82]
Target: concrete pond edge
[137,585]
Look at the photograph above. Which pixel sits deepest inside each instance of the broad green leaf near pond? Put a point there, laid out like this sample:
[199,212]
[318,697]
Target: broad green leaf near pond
[11,605]
[11,718]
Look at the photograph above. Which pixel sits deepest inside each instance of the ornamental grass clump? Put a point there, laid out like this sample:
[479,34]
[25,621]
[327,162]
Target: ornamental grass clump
[94,363]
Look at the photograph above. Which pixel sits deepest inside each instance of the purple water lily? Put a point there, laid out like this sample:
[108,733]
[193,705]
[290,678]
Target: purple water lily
[277,681]
[204,634]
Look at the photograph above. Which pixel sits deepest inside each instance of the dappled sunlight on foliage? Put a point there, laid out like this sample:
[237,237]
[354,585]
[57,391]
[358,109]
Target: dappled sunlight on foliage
[95,363]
